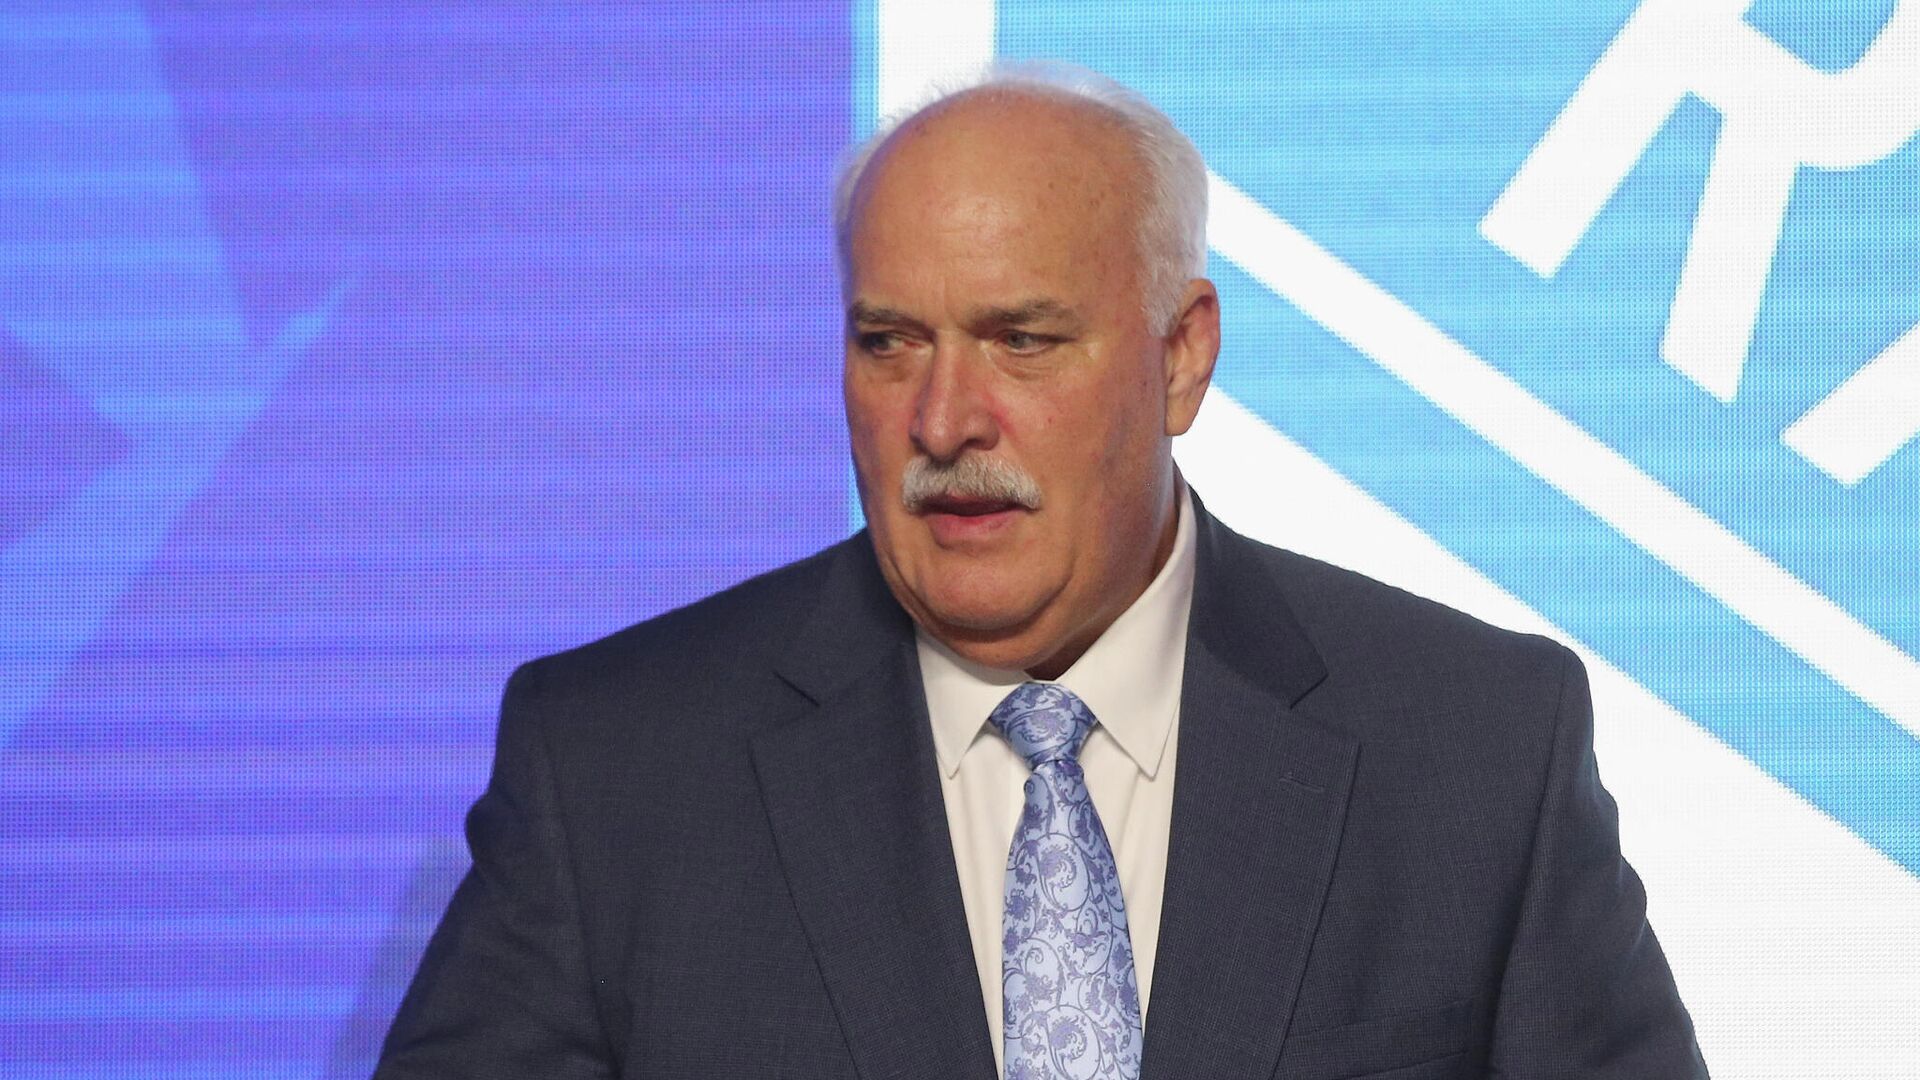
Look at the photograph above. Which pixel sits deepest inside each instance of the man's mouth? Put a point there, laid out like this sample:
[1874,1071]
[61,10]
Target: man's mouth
[966,506]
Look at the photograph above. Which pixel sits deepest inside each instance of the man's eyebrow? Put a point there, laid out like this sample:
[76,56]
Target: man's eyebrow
[862,312]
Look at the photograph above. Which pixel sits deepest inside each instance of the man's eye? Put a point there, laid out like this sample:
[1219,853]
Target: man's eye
[877,341]
[1022,342]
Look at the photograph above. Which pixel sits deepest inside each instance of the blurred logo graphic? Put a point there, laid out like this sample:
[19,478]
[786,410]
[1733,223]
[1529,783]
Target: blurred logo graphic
[121,311]
[1779,115]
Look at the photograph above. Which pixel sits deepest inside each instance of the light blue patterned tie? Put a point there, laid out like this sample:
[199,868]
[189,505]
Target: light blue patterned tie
[1070,1003]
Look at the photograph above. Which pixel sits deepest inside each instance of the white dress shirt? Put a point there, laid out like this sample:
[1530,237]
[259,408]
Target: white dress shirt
[1130,680]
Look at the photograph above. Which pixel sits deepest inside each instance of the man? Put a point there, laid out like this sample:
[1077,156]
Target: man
[909,808]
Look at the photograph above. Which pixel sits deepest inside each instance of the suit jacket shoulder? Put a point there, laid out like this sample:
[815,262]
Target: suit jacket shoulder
[739,629]
[1373,655]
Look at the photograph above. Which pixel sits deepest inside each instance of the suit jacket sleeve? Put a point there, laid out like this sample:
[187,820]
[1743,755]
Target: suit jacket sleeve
[503,989]
[1586,991]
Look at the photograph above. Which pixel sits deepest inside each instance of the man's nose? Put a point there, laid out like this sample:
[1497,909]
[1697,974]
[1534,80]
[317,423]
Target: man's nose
[954,413]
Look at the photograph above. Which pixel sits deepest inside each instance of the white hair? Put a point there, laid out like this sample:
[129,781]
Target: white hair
[1172,237]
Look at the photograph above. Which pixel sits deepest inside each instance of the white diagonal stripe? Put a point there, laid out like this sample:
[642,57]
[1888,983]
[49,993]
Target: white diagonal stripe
[1870,417]
[1563,454]
[923,45]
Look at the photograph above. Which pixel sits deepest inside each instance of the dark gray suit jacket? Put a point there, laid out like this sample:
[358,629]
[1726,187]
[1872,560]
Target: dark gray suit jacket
[714,845]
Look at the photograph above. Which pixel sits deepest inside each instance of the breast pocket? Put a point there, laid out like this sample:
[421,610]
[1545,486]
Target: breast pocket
[1428,1045]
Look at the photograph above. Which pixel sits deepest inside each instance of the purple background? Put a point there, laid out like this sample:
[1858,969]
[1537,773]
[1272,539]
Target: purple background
[576,363]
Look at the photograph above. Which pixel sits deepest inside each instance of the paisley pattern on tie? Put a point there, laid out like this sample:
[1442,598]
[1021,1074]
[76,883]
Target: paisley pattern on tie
[1071,1006]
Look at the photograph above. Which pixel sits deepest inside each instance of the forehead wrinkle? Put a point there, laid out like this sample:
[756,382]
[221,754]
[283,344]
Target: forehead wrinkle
[942,203]
[1024,313]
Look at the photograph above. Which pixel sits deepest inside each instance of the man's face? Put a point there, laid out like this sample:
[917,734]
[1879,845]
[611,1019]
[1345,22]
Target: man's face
[995,328]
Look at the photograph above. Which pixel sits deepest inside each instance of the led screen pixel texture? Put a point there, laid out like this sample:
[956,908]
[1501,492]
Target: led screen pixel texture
[351,354]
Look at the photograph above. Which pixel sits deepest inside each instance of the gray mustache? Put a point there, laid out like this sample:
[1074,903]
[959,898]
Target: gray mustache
[971,476]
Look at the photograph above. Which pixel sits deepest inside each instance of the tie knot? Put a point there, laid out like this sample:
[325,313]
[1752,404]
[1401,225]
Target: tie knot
[1043,722]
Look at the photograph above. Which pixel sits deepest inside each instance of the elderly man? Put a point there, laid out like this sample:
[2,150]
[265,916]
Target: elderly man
[1047,774]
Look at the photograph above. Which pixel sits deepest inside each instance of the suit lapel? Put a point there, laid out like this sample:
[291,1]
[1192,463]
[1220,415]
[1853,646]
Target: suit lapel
[1259,803]
[852,791]
[851,788]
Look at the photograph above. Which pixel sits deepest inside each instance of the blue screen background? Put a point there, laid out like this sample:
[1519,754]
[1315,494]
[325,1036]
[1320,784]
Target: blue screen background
[351,354]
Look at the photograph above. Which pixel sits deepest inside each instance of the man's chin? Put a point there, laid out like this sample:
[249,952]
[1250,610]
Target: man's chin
[975,623]
[996,632]
[970,602]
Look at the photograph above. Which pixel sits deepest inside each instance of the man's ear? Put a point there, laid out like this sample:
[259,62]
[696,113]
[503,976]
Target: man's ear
[1192,346]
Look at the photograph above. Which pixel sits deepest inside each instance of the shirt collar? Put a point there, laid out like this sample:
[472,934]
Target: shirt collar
[1129,678]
